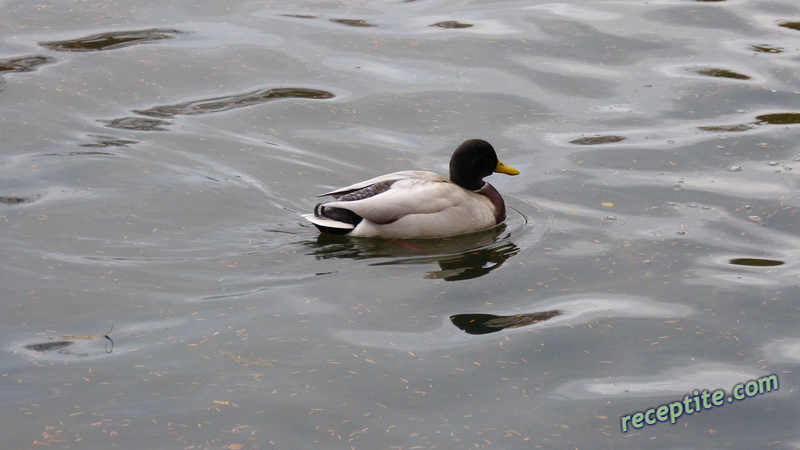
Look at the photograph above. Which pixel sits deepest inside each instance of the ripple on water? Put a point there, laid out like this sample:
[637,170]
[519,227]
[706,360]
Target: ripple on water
[671,383]
[210,105]
[111,40]
[732,270]
[228,102]
[554,314]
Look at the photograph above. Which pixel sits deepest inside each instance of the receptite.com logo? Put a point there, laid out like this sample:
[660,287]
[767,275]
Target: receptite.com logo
[698,401]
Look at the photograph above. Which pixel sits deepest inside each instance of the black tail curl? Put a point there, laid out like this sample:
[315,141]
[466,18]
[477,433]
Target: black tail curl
[339,215]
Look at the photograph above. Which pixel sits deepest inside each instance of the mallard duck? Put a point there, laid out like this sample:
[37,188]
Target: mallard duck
[417,204]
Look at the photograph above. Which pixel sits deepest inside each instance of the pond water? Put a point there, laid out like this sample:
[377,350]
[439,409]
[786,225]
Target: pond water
[160,289]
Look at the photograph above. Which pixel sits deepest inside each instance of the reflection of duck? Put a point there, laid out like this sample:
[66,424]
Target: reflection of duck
[489,323]
[458,257]
[416,204]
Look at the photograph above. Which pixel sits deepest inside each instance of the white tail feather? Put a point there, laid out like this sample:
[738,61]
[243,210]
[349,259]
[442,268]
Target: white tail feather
[325,222]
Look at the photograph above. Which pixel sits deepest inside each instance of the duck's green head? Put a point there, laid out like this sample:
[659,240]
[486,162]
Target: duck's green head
[472,161]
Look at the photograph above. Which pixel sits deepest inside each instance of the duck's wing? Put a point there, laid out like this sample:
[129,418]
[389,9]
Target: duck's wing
[386,201]
[380,183]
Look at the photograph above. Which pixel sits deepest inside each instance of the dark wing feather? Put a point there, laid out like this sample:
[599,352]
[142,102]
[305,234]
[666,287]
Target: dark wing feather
[364,192]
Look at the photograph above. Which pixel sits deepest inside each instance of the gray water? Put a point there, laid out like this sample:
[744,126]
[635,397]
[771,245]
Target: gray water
[160,289]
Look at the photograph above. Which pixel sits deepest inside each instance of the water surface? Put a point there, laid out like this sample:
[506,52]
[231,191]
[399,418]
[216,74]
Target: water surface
[156,159]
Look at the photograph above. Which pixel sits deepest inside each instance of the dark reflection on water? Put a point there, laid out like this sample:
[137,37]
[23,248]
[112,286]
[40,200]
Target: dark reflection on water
[102,141]
[353,23]
[337,246]
[467,265]
[459,258]
[301,16]
[595,140]
[48,346]
[137,123]
[110,41]
[766,49]
[228,102]
[73,348]
[727,128]
[791,25]
[85,344]
[203,106]
[81,346]
[451,24]
[79,154]
[723,73]
[489,323]
[756,262]
[17,199]
[779,118]
[764,119]
[23,63]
